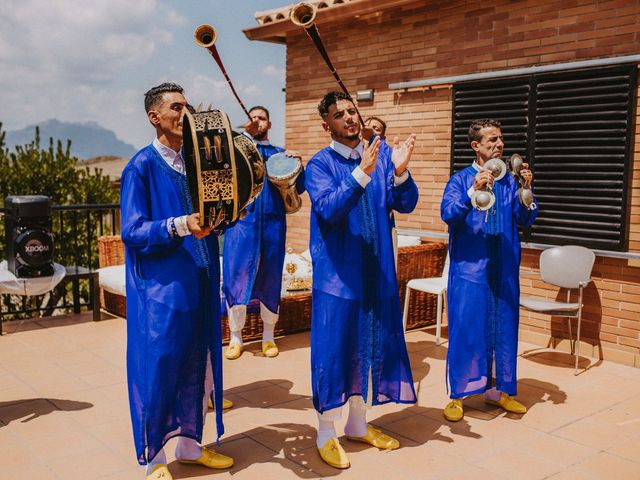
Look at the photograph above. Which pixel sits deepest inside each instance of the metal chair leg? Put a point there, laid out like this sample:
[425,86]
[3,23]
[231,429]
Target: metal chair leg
[572,344]
[438,318]
[578,332]
[405,312]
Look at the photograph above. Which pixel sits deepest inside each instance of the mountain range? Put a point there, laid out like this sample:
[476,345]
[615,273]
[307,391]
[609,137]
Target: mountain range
[88,139]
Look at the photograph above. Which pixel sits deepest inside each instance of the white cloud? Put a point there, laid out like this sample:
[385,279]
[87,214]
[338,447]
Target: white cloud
[65,38]
[252,91]
[273,71]
[80,61]
[67,59]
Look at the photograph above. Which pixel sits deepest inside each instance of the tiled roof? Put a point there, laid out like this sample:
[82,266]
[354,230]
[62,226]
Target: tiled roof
[282,13]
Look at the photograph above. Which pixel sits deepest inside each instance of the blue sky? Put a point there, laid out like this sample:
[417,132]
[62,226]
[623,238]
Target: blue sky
[84,61]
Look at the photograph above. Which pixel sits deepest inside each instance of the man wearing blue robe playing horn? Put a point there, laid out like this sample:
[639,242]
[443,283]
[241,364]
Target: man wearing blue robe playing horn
[174,346]
[358,352]
[483,292]
[253,254]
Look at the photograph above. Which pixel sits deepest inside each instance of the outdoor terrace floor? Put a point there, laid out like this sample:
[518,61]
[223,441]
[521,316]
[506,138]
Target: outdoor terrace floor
[64,415]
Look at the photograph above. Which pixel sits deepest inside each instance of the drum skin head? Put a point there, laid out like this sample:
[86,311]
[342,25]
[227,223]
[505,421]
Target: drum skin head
[282,172]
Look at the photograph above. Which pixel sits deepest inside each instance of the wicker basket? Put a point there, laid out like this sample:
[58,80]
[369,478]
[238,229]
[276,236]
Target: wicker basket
[420,261]
[295,316]
[111,252]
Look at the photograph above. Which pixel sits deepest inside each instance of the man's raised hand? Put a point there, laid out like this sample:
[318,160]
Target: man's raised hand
[370,156]
[402,153]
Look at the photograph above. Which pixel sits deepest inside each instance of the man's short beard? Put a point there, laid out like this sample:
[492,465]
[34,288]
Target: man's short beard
[261,136]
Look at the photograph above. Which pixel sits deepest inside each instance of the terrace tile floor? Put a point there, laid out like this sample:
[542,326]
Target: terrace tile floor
[64,415]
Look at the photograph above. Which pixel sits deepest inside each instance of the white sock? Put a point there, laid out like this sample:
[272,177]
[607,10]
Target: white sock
[236,337]
[326,430]
[159,459]
[326,427]
[493,394]
[188,449]
[237,316]
[356,425]
[269,320]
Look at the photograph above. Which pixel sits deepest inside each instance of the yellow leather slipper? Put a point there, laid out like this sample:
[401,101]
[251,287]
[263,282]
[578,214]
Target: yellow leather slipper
[333,454]
[378,439]
[509,403]
[454,411]
[160,472]
[211,459]
[226,404]
[233,351]
[270,349]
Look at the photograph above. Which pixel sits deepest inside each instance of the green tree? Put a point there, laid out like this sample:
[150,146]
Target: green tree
[54,172]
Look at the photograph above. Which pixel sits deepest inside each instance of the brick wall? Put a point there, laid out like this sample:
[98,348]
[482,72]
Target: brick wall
[443,38]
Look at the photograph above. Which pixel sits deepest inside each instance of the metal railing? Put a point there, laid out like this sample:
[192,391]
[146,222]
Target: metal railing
[76,229]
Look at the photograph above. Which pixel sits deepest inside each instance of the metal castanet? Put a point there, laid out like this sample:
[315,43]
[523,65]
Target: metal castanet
[525,194]
[303,14]
[484,198]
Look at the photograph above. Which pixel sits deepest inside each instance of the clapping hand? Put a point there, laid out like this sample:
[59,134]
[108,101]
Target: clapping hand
[402,153]
[370,156]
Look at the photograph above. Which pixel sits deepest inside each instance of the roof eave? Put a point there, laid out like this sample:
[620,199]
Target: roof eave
[276,32]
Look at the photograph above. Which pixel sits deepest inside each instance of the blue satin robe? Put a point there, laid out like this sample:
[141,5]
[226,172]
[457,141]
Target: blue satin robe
[356,325]
[483,288]
[173,308]
[254,248]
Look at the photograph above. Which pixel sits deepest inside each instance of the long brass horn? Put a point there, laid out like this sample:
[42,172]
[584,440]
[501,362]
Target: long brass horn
[205,37]
[303,14]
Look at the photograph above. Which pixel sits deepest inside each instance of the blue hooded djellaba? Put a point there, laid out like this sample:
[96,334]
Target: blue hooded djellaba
[173,308]
[356,326]
[254,248]
[483,290]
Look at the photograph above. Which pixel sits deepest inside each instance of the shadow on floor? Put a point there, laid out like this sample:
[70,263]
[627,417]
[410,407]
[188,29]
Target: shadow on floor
[288,445]
[428,421]
[267,394]
[556,358]
[32,408]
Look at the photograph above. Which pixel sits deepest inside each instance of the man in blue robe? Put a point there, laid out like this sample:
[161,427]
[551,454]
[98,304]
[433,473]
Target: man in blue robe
[253,254]
[173,302]
[358,352]
[484,290]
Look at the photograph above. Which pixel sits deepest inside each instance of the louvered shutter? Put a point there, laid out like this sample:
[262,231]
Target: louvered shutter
[506,100]
[582,151]
[575,129]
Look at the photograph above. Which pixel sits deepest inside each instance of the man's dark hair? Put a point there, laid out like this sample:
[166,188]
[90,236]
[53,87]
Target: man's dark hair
[477,125]
[380,121]
[260,107]
[329,99]
[154,95]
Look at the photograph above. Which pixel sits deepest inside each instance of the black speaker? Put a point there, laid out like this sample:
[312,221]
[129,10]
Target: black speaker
[29,240]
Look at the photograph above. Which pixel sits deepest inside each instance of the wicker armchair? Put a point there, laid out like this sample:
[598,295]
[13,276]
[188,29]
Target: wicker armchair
[295,309]
[426,260]
[110,253]
[420,261]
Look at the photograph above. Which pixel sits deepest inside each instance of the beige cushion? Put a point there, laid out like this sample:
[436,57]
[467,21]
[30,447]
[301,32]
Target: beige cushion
[408,241]
[113,279]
